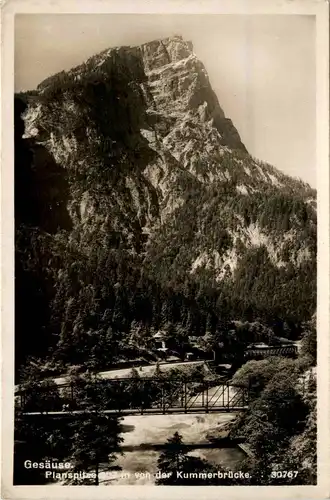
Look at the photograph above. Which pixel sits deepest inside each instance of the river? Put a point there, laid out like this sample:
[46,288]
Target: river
[143,436]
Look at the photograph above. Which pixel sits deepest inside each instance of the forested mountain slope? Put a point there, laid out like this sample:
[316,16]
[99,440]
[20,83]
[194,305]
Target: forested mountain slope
[138,206]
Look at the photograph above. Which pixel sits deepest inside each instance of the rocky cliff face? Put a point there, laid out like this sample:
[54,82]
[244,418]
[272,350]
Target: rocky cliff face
[146,163]
[149,112]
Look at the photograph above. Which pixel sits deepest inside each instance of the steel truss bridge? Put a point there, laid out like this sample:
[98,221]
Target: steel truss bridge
[265,352]
[131,396]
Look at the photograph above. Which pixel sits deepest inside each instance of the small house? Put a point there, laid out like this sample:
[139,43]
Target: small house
[160,339]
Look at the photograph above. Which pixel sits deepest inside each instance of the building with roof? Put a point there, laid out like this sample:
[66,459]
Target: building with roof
[160,339]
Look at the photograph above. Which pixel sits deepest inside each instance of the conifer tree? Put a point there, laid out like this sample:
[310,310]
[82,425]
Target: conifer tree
[171,459]
[176,467]
[95,441]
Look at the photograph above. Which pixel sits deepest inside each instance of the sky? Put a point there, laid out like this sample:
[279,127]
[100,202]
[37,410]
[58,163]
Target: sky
[262,68]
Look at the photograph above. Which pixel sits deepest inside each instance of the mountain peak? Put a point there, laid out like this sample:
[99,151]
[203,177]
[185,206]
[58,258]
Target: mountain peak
[158,53]
[129,170]
[174,83]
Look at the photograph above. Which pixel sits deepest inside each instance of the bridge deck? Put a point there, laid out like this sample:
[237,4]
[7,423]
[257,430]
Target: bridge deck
[139,411]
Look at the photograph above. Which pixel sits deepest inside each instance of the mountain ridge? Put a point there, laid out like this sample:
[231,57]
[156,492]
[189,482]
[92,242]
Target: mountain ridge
[147,167]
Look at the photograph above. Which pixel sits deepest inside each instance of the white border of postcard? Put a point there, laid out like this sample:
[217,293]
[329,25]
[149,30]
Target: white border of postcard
[318,8]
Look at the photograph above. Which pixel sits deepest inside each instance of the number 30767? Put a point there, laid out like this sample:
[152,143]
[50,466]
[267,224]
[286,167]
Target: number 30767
[282,474]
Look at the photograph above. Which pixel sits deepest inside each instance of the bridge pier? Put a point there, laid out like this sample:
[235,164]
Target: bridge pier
[185,397]
[207,398]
